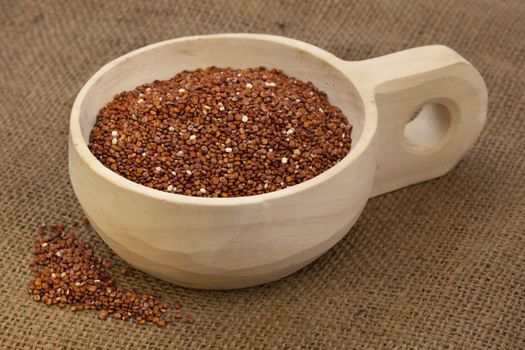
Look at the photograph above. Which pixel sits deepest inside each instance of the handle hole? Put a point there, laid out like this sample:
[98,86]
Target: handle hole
[426,131]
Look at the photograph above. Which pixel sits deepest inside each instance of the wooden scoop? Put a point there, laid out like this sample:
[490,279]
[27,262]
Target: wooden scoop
[223,243]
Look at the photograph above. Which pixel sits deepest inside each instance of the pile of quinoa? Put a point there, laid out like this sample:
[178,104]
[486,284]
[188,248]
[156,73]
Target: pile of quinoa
[221,132]
[68,274]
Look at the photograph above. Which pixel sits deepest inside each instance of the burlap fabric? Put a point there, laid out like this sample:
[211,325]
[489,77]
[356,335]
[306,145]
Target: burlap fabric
[436,265]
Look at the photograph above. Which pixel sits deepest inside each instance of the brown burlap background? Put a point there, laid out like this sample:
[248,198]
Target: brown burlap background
[436,265]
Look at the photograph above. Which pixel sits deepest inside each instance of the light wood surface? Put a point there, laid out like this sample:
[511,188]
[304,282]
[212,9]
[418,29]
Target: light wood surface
[222,243]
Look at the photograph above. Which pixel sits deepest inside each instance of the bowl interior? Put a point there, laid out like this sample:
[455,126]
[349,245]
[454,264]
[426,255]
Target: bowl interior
[164,60]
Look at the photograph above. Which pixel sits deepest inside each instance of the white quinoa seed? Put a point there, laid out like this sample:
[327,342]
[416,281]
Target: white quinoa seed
[290,131]
[284,160]
[270,84]
[144,154]
[321,110]
[140,100]
[171,128]
[114,141]
[44,244]
[53,275]
[244,119]
[249,85]
[193,137]
[181,91]
[188,172]
[180,153]
[202,190]
[228,150]
[221,108]
[174,173]
[157,169]
[170,188]
[114,133]
[63,274]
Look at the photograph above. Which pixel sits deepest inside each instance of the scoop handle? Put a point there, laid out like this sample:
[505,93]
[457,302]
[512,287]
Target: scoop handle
[446,95]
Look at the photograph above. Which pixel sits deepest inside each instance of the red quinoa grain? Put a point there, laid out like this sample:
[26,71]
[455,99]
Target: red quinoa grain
[221,132]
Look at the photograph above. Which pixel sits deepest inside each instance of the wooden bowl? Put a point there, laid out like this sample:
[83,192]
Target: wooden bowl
[223,243]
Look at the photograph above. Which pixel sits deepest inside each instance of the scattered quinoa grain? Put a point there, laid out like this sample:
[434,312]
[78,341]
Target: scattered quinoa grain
[97,291]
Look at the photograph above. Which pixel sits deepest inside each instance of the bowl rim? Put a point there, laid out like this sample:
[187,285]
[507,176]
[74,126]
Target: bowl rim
[79,144]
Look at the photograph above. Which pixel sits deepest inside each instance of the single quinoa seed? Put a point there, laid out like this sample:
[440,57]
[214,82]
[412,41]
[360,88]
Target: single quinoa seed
[221,132]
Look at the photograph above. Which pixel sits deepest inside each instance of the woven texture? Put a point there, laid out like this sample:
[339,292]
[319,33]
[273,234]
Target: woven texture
[435,265]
